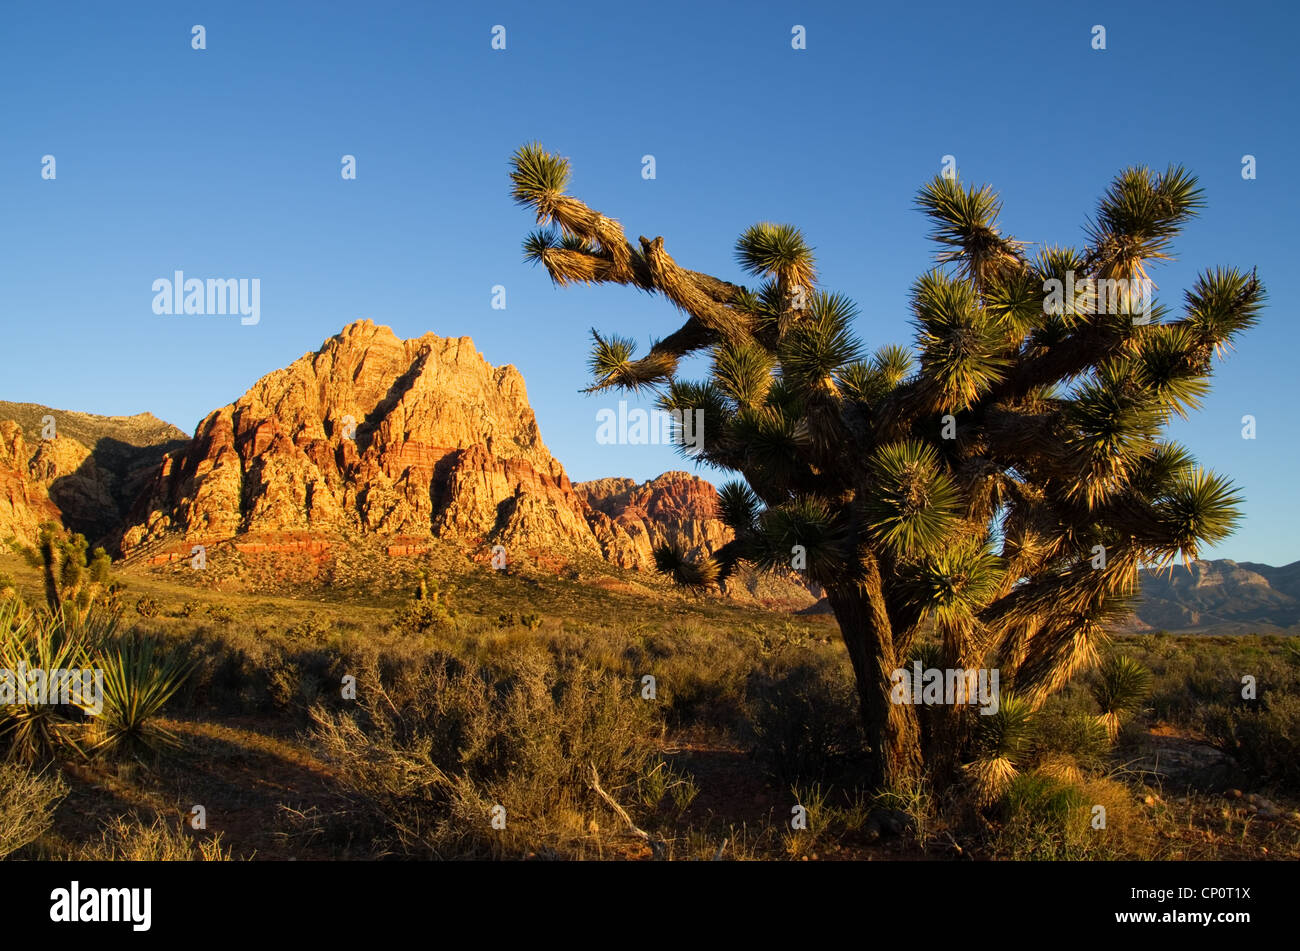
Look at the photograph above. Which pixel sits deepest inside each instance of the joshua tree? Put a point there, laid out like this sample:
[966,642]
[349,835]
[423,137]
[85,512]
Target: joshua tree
[1000,481]
[74,580]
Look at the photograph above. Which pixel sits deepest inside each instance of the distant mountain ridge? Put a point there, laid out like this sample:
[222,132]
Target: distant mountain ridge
[1221,595]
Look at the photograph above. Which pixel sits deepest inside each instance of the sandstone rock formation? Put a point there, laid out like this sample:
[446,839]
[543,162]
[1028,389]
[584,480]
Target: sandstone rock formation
[378,435]
[24,500]
[675,508]
[84,475]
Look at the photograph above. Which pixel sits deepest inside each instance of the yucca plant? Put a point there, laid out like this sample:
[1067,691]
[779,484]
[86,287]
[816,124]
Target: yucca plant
[1121,686]
[33,729]
[1000,741]
[694,573]
[1001,479]
[140,676]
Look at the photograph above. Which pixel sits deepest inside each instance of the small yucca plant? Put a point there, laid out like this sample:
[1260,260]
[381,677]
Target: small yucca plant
[1000,740]
[1121,687]
[698,574]
[140,676]
[36,731]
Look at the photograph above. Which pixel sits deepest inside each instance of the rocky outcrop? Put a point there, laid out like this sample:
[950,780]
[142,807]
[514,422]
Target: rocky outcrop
[379,435]
[74,468]
[675,508]
[678,508]
[24,500]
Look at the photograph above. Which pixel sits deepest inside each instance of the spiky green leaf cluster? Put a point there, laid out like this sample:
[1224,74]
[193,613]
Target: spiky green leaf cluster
[777,250]
[537,174]
[911,504]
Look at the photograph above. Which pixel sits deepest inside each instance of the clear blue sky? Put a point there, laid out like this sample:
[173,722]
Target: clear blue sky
[225,163]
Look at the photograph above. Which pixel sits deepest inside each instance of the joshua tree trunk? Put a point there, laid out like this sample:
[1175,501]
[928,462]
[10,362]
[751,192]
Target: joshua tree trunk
[891,728]
[50,567]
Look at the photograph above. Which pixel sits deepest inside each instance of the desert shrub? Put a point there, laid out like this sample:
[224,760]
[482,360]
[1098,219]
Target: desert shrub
[27,803]
[246,673]
[1060,731]
[1266,740]
[126,839]
[1045,817]
[147,607]
[221,614]
[434,747]
[191,609]
[699,676]
[1042,818]
[420,617]
[312,627]
[805,722]
[665,789]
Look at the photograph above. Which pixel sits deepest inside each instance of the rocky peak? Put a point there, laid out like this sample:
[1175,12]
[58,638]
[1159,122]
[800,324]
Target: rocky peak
[676,507]
[377,434]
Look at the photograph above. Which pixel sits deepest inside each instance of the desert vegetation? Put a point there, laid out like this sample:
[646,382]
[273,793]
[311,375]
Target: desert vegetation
[752,713]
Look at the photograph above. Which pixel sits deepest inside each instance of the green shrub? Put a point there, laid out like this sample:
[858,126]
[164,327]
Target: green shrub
[1266,741]
[1042,818]
[1045,817]
[805,722]
[1078,735]
[421,616]
[221,614]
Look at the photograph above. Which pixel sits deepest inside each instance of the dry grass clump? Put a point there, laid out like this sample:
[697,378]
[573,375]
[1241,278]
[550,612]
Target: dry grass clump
[128,839]
[27,802]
